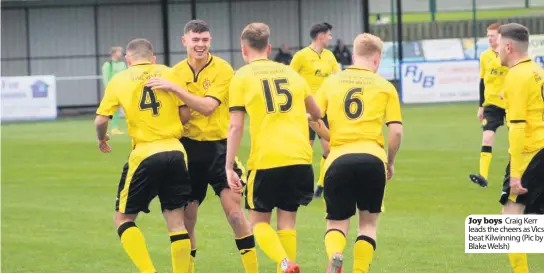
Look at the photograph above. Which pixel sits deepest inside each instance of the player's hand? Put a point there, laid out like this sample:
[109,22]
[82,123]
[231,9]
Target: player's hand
[480,113]
[390,170]
[103,145]
[516,187]
[160,83]
[234,180]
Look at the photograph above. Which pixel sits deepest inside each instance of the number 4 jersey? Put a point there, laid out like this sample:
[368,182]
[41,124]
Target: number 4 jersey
[273,96]
[357,102]
[152,115]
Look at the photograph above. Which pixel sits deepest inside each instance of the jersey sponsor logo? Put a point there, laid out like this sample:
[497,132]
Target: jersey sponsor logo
[319,73]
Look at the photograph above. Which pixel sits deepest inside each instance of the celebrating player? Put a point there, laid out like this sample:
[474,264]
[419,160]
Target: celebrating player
[280,171]
[491,111]
[357,101]
[523,189]
[157,164]
[314,63]
[208,77]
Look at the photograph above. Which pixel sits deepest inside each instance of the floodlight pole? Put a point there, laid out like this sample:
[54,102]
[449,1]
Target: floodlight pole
[399,29]
[165,32]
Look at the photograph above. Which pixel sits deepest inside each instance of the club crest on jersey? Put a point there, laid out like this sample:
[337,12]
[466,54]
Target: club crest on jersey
[206,85]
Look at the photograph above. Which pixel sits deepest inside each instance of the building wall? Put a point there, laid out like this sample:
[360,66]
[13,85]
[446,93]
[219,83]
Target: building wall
[73,40]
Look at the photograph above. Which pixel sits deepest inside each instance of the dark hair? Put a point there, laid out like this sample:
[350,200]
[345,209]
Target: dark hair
[514,31]
[256,35]
[319,28]
[198,26]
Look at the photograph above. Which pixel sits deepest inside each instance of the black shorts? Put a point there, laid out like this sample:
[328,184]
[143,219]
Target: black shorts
[312,132]
[533,180]
[493,117]
[206,161]
[285,188]
[354,181]
[164,174]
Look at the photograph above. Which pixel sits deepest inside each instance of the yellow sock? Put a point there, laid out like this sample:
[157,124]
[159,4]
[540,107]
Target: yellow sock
[288,239]
[246,246]
[363,251]
[321,178]
[335,241]
[519,262]
[192,261]
[485,161]
[269,242]
[133,242]
[180,249]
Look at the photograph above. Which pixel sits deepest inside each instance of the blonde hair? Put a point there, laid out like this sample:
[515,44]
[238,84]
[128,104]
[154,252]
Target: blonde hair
[256,35]
[116,49]
[140,48]
[367,45]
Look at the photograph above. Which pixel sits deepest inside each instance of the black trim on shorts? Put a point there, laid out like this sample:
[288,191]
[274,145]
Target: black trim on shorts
[517,121]
[237,108]
[215,98]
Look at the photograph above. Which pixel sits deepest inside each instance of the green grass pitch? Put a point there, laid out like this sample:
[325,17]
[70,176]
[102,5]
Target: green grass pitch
[58,194]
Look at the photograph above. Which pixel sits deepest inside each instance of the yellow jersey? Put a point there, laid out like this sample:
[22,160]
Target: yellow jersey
[152,115]
[314,67]
[493,74]
[524,96]
[273,96]
[212,81]
[357,102]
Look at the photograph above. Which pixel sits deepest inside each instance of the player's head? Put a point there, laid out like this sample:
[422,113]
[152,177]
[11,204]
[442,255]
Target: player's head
[321,33]
[139,50]
[197,39]
[513,43]
[367,50]
[116,53]
[255,41]
[493,34]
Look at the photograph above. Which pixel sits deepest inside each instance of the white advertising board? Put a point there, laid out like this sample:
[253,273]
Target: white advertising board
[444,81]
[29,98]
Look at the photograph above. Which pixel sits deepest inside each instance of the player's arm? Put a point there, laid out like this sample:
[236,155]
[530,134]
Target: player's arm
[236,129]
[321,104]
[184,114]
[517,97]
[296,62]
[203,105]
[482,75]
[393,120]
[108,107]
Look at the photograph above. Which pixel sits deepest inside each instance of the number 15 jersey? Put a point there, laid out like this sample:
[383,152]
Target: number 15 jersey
[152,115]
[357,102]
[273,96]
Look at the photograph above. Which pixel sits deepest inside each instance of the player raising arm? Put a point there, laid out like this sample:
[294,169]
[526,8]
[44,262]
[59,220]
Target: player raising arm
[491,110]
[156,165]
[280,171]
[523,189]
[205,139]
[357,102]
[315,63]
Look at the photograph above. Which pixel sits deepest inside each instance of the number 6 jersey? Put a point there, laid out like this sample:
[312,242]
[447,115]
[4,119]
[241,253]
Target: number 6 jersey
[273,96]
[152,115]
[357,102]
